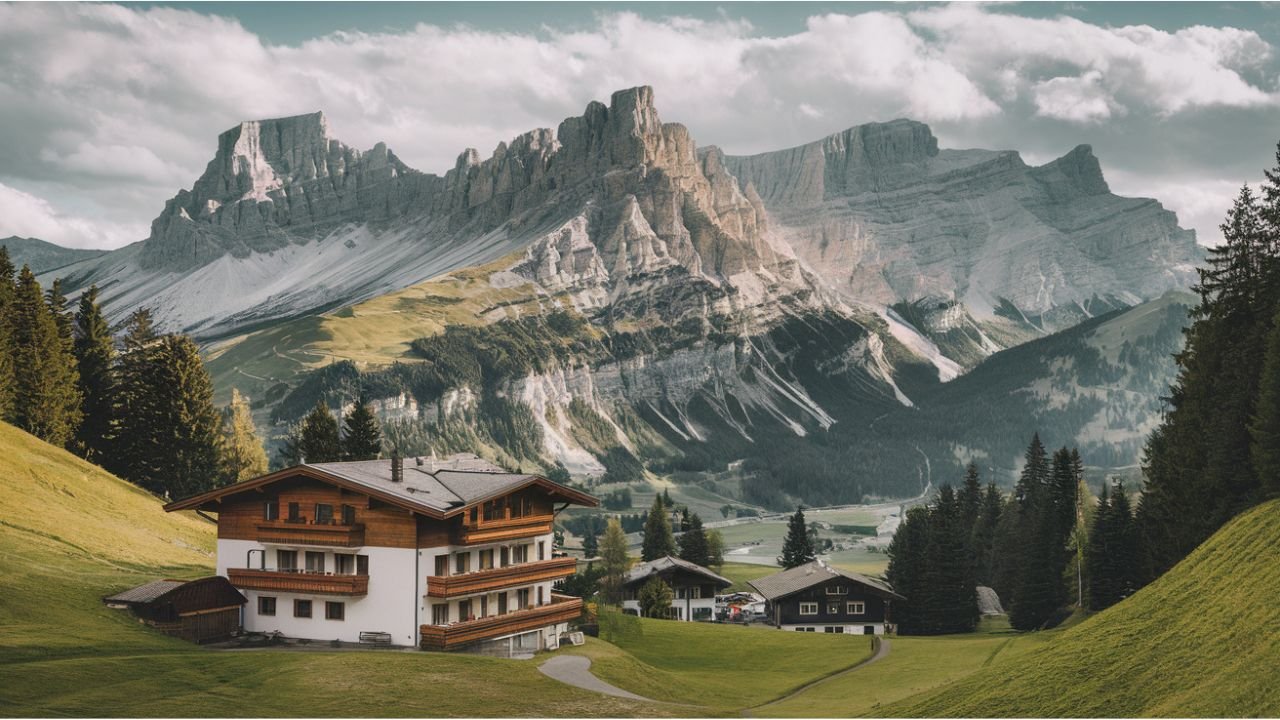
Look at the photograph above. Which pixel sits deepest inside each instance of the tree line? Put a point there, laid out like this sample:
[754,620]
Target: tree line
[1043,549]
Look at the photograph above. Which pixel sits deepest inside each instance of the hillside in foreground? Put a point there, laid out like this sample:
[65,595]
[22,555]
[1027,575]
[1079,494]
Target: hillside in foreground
[1200,641]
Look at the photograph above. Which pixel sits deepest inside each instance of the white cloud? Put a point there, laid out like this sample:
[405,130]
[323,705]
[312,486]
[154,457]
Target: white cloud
[99,98]
[26,215]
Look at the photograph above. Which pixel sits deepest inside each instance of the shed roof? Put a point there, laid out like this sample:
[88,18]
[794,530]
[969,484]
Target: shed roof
[666,564]
[144,593]
[788,582]
[185,596]
[430,486]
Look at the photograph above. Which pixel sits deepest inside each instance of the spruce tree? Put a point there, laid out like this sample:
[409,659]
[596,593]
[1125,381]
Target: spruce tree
[1037,588]
[797,548]
[949,603]
[8,389]
[590,545]
[46,402]
[907,569]
[1124,548]
[134,450]
[243,456]
[659,541]
[1265,428]
[715,549]
[362,436]
[95,362]
[970,497]
[693,542]
[319,441]
[57,302]
[984,536]
[188,426]
[1102,580]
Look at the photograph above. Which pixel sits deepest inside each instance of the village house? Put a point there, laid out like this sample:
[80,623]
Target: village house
[693,587]
[437,554]
[203,610]
[816,597]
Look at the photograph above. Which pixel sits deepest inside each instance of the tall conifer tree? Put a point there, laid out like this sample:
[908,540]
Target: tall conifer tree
[95,362]
[319,442]
[693,542]
[8,387]
[47,402]
[658,538]
[243,456]
[362,437]
[797,548]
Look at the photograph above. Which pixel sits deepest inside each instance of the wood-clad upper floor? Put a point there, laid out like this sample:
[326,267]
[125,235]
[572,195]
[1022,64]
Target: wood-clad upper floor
[374,503]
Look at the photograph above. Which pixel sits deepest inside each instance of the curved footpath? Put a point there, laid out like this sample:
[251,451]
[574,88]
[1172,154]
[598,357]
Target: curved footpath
[882,651]
[575,670]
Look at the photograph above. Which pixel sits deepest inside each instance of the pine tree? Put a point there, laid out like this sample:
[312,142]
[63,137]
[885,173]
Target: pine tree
[590,545]
[693,542]
[95,361]
[319,441]
[797,548]
[8,389]
[970,497]
[907,553]
[1125,544]
[984,536]
[243,456]
[134,454]
[950,602]
[659,541]
[47,402]
[187,424]
[655,598]
[57,302]
[613,561]
[1265,428]
[1102,581]
[1037,588]
[362,438]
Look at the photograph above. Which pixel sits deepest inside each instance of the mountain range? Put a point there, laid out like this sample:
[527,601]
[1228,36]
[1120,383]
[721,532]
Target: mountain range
[613,298]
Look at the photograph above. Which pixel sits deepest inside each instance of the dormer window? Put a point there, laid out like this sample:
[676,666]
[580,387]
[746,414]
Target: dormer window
[271,510]
[295,512]
[837,589]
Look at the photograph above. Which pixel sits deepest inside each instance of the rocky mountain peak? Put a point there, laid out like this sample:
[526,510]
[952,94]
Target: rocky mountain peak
[1081,169]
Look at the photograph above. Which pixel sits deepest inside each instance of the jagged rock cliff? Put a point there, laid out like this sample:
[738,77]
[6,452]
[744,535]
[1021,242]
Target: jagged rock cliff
[884,215]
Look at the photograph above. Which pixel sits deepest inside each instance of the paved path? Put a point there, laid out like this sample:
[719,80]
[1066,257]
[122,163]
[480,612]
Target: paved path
[575,670]
[882,651]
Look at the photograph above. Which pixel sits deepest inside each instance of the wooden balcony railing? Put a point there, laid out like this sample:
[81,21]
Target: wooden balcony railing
[487,531]
[296,533]
[562,608]
[499,578]
[299,582]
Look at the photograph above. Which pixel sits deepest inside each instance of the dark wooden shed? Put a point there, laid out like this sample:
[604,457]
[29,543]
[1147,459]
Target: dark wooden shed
[203,610]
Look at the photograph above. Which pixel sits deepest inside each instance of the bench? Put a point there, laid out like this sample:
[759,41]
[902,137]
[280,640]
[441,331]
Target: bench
[375,638]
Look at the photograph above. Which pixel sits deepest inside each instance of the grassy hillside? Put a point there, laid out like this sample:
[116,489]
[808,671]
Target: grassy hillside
[1200,641]
[71,533]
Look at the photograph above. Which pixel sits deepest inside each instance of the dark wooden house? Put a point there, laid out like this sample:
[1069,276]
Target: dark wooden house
[203,610]
[818,598]
[693,587]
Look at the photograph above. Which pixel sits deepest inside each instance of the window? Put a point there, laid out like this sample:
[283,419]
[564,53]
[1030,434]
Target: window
[837,630]
[287,560]
[302,608]
[522,598]
[440,614]
[680,593]
[464,610]
[541,598]
[857,608]
[808,608]
[837,589]
[335,611]
[520,554]
[542,549]
[486,559]
[502,603]
[362,564]
[266,605]
[484,606]
[462,562]
[315,562]
[271,510]
[344,564]
[695,592]
[324,514]
[348,514]
[505,552]
[833,608]
[295,512]
[442,565]
[473,516]
[527,504]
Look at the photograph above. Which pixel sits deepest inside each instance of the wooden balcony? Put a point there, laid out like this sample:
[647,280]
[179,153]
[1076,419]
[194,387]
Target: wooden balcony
[487,531]
[296,533]
[299,582]
[499,578]
[562,608]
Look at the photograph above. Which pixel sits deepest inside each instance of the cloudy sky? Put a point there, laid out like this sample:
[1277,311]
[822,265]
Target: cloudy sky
[107,110]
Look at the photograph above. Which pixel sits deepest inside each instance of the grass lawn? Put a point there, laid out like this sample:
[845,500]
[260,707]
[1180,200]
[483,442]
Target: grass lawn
[71,534]
[719,668]
[740,573]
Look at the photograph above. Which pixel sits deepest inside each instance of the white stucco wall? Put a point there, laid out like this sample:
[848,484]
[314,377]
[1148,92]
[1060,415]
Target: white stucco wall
[388,607]
[848,629]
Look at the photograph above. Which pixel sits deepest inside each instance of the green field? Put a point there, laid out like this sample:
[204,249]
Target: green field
[1200,641]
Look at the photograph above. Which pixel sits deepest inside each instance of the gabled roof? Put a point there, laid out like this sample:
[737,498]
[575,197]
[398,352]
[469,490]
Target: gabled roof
[186,596]
[645,570]
[431,487]
[789,582]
